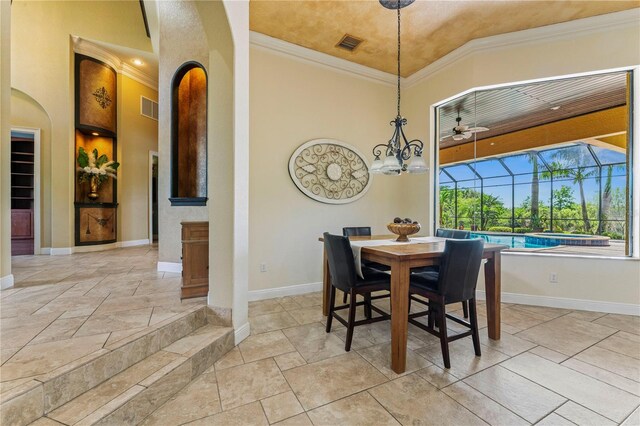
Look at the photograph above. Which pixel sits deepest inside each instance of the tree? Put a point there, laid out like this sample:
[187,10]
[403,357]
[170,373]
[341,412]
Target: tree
[571,163]
[535,191]
[563,198]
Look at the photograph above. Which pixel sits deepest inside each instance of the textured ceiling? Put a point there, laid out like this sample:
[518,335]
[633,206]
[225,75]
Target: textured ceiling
[514,108]
[430,29]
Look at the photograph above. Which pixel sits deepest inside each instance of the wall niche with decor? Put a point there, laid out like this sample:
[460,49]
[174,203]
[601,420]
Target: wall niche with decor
[189,136]
[95,152]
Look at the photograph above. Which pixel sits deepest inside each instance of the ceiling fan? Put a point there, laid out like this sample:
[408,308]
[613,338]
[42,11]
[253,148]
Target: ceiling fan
[463,131]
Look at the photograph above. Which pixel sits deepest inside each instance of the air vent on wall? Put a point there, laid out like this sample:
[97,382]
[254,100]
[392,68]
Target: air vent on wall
[349,42]
[148,108]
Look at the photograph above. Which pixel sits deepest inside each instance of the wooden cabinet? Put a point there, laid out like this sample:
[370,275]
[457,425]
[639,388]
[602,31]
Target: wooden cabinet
[22,194]
[195,259]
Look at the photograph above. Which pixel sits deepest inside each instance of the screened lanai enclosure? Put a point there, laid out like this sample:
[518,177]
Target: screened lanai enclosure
[578,188]
[543,166]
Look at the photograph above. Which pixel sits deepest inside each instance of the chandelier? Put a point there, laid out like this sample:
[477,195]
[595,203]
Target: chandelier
[398,151]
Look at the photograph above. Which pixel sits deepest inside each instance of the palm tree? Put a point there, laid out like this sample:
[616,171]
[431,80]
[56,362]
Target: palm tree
[571,163]
[606,202]
[535,192]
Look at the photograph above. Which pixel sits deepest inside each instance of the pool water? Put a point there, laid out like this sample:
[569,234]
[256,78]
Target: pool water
[514,241]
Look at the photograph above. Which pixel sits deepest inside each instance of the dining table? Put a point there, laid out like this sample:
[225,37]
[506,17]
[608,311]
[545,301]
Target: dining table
[401,258]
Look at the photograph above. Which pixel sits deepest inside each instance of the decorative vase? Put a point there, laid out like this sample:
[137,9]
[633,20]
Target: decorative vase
[94,183]
[403,230]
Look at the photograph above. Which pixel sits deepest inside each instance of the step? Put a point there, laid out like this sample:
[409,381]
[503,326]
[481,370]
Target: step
[130,396]
[24,401]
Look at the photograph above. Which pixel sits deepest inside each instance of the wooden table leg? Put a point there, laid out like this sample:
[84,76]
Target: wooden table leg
[493,291]
[326,284]
[399,313]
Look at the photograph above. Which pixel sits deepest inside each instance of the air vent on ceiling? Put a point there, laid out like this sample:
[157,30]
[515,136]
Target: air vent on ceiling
[349,42]
[148,108]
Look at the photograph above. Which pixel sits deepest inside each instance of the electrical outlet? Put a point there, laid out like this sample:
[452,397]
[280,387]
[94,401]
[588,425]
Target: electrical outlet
[553,278]
[263,267]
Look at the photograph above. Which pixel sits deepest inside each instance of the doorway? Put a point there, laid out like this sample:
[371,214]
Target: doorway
[153,197]
[25,191]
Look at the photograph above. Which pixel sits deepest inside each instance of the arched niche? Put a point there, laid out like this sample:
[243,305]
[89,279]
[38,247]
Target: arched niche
[189,136]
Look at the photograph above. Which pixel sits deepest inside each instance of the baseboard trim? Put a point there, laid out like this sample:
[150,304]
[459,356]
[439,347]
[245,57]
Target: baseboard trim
[60,251]
[242,333]
[566,303]
[133,243]
[292,290]
[170,267]
[6,282]
[45,251]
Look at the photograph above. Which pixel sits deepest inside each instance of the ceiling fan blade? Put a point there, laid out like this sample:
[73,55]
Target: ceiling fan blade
[467,135]
[477,129]
[457,137]
[445,137]
[461,128]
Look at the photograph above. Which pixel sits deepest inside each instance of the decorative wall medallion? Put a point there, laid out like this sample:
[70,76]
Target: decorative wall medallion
[102,97]
[329,171]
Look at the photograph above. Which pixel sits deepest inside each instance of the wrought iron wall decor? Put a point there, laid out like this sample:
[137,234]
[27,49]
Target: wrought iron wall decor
[329,171]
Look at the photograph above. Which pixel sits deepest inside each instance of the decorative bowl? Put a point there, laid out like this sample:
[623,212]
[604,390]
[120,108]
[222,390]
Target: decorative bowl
[403,230]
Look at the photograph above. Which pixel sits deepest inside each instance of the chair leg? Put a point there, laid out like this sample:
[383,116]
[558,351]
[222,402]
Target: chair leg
[465,309]
[442,331]
[352,319]
[367,306]
[344,297]
[474,327]
[332,304]
[431,318]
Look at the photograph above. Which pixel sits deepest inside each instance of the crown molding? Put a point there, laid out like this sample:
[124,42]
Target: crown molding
[561,31]
[85,47]
[290,50]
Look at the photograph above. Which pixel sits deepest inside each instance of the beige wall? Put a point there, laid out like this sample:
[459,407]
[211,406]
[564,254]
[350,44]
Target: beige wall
[139,136]
[291,103]
[42,68]
[182,39]
[579,278]
[5,143]
[26,112]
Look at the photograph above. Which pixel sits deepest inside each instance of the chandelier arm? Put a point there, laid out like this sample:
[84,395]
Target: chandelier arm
[377,152]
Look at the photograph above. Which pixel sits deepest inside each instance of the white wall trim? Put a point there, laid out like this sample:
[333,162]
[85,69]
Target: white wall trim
[6,282]
[565,303]
[292,290]
[564,30]
[85,47]
[242,333]
[133,243]
[60,251]
[170,267]
[290,50]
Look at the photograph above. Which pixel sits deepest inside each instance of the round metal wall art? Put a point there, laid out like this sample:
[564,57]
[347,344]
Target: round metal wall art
[329,171]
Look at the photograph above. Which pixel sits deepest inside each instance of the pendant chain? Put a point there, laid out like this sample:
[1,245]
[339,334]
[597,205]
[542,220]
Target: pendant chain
[398,2]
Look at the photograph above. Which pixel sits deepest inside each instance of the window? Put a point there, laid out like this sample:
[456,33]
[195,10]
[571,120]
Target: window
[189,136]
[549,168]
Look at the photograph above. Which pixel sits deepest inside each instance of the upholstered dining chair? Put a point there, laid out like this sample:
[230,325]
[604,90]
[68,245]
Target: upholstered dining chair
[454,282]
[362,231]
[457,234]
[344,277]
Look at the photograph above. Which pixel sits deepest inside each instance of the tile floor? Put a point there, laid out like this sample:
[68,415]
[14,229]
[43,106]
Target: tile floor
[76,305]
[551,367]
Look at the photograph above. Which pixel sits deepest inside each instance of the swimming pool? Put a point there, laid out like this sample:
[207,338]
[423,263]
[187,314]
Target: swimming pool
[514,241]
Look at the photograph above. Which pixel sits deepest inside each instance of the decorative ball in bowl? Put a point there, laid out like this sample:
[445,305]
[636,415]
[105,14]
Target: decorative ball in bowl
[403,228]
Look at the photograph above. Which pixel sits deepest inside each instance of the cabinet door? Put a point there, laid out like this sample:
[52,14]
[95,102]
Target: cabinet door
[21,224]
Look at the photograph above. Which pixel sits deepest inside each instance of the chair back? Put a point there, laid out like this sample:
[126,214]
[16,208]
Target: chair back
[341,264]
[356,231]
[459,269]
[457,234]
